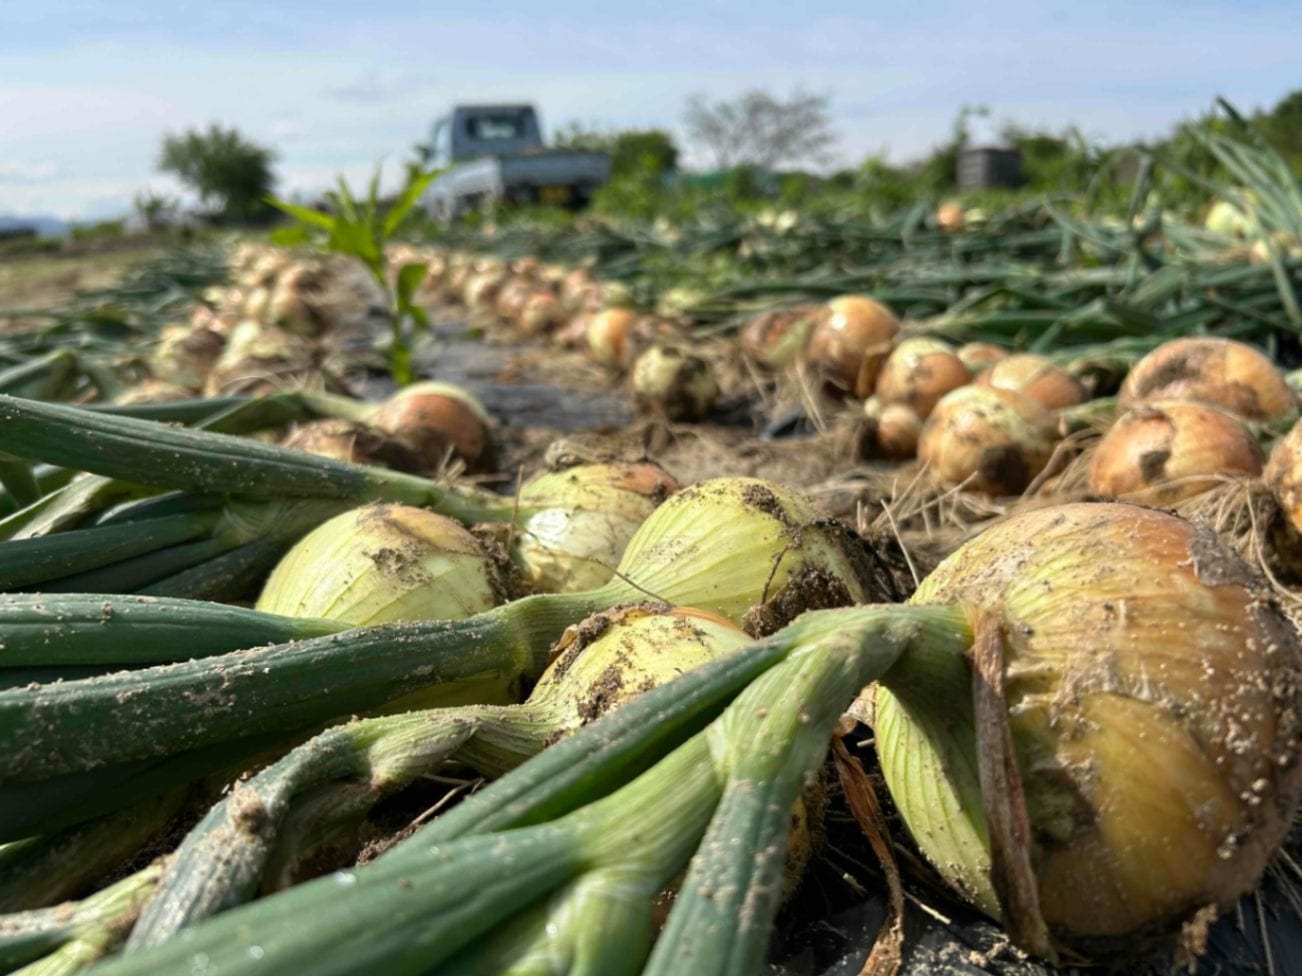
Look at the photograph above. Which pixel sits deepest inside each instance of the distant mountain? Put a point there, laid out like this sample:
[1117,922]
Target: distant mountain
[46,226]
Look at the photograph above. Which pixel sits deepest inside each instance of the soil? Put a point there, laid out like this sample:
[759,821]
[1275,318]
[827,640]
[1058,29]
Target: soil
[38,281]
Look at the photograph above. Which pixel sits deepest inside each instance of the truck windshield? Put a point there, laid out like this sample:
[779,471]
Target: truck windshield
[496,126]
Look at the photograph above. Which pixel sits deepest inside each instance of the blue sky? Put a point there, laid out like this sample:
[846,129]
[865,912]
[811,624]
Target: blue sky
[88,88]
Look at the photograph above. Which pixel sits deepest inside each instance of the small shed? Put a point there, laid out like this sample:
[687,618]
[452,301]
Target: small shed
[989,167]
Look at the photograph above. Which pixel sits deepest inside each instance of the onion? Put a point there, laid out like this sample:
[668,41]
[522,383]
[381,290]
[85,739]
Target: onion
[1223,372]
[357,443]
[893,428]
[154,391]
[1153,697]
[977,356]
[615,335]
[850,341]
[1038,378]
[583,518]
[610,658]
[1283,475]
[918,373]
[670,382]
[718,545]
[609,335]
[184,355]
[261,358]
[1162,453]
[454,282]
[511,298]
[987,439]
[480,292]
[541,313]
[777,339]
[384,563]
[436,418]
[949,216]
[576,287]
[1226,218]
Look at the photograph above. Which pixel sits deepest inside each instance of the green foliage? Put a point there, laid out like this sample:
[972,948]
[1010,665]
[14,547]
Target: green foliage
[362,229]
[228,173]
[155,210]
[632,152]
[104,230]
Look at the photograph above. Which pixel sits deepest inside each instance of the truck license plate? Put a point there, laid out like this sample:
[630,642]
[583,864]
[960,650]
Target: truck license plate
[554,194]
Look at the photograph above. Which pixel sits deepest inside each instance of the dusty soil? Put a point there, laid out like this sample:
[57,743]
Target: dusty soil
[48,280]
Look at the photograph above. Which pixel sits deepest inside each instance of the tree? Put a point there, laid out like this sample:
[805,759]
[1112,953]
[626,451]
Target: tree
[632,151]
[231,175]
[757,129]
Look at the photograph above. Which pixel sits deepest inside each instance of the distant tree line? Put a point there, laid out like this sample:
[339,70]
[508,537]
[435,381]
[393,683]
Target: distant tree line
[762,146]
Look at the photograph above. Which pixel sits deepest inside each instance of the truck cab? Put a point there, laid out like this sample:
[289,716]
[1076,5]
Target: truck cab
[496,153]
[471,131]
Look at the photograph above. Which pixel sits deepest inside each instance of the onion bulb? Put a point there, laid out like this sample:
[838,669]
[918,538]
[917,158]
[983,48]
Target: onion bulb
[610,658]
[185,354]
[384,563]
[977,356]
[987,439]
[541,313]
[356,443]
[1039,378]
[1152,693]
[610,336]
[669,381]
[949,216]
[918,373]
[435,419]
[777,339]
[1162,453]
[583,518]
[1223,372]
[893,429]
[153,391]
[1283,475]
[850,341]
[753,552]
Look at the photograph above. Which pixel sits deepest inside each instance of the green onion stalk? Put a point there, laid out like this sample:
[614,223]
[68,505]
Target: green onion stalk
[67,938]
[746,550]
[608,837]
[1091,730]
[317,794]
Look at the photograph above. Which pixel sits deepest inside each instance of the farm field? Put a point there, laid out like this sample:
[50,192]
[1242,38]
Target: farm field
[786,589]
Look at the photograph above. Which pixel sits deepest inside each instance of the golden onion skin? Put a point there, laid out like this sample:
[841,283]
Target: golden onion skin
[893,429]
[610,336]
[1283,475]
[918,373]
[1034,376]
[753,552]
[356,443]
[777,339]
[988,439]
[850,340]
[977,356]
[1163,453]
[610,658]
[1153,698]
[583,518]
[670,382]
[432,417]
[384,563]
[1222,372]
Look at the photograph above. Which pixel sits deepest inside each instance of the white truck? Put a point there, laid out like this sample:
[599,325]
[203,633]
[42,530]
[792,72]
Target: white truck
[496,153]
